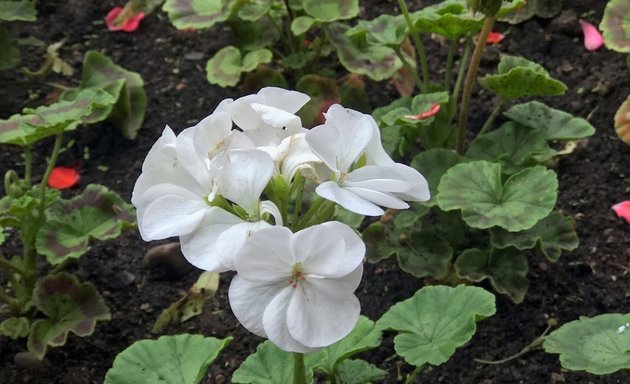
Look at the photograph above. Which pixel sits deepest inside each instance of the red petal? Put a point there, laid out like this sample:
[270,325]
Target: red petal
[593,39]
[133,23]
[495,37]
[435,108]
[128,25]
[623,210]
[63,177]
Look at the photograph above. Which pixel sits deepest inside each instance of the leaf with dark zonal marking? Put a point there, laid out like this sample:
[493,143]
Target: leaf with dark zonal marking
[556,124]
[616,25]
[97,213]
[426,254]
[384,30]
[622,121]
[551,235]
[505,268]
[35,124]
[331,10]
[69,306]
[197,14]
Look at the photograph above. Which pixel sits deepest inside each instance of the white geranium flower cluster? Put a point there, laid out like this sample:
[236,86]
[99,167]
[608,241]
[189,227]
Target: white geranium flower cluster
[223,185]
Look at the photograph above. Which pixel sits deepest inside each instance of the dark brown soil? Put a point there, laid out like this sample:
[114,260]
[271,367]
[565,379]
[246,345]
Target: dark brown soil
[592,280]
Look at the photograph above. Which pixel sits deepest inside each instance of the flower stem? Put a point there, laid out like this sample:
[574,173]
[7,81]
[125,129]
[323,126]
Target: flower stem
[415,36]
[312,210]
[299,371]
[28,165]
[495,112]
[411,378]
[452,47]
[407,65]
[470,81]
[299,195]
[460,78]
[51,165]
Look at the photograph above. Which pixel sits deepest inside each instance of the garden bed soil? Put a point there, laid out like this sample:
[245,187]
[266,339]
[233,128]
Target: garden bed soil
[591,280]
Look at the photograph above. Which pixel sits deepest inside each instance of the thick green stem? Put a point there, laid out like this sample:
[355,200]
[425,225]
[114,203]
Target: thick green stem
[28,165]
[10,301]
[411,378]
[460,79]
[299,195]
[495,112]
[452,47]
[312,210]
[299,371]
[9,267]
[415,36]
[470,81]
[407,65]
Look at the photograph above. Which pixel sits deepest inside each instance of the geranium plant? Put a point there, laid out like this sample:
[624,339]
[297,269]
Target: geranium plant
[45,304]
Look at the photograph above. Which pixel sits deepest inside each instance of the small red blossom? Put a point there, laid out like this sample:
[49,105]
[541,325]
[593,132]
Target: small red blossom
[63,177]
[126,23]
[622,210]
[435,108]
[593,39]
[495,37]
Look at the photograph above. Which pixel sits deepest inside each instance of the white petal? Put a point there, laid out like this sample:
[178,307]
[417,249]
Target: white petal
[383,179]
[210,134]
[290,101]
[275,322]
[244,177]
[270,208]
[322,252]
[190,160]
[267,256]
[419,188]
[242,113]
[375,152]
[349,200]
[248,300]
[354,245]
[231,241]
[379,198]
[171,216]
[321,312]
[276,117]
[296,154]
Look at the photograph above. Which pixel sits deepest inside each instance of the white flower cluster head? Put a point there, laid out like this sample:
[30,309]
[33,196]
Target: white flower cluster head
[206,186]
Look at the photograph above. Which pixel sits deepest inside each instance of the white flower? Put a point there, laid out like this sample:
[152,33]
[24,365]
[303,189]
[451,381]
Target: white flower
[349,137]
[298,289]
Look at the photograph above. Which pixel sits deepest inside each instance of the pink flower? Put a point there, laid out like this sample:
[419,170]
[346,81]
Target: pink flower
[63,177]
[623,210]
[593,39]
[128,22]
[495,37]
[435,108]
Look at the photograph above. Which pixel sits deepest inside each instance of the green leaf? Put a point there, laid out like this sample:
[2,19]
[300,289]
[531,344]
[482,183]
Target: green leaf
[23,10]
[452,22]
[268,365]
[262,77]
[384,30]
[376,62]
[10,53]
[15,327]
[505,268]
[197,14]
[97,213]
[323,92]
[127,88]
[616,25]
[557,124]
[331,10]
[552,235]
[599,345]
[476,188]
[622,121]
[540,8]
[513,145]
[358,372]
[433,164]
[226,66]
[426,255]
[255,35]
[518,77]
[352,219]
[436,321]
[364,336]
[181,359]
[35,124]
[301,24]
[69,306]
[253,10]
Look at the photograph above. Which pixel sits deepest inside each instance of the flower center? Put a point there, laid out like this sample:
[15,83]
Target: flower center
[296,276]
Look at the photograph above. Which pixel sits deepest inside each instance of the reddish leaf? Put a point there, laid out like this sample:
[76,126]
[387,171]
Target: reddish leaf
[623,210]
[495,37]
[127,21]
[435,108]
[593,39]
[63,177]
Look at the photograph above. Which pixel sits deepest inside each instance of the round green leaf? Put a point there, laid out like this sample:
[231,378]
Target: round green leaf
[196,14]
[268,365]
[358,372]
[519,77]
[384,30]
[616,25]
[426,255]
[181,359]
[526,197]
[23,10]
[436,321]
[253,59]
[598,345]
[15,327]
[452,22]
[225,67]
[331,10]
[301,24]
[254,10]
[622,121]
[557,124]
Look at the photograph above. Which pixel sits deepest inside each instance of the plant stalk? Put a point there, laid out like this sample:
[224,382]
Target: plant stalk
[495,112]
[411,378]
[460,78]
[415,36]
[449,65]
[299,371]
[470,81]
[413,70]
[49,168]
[312,210]
[300,180]
[537,342]
[28,165]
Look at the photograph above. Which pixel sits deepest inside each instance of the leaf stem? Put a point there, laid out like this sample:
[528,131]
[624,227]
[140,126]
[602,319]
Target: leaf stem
[470,81]
[407,65]
[449,65]
[495,112]
[49,168]
[299,180]
[28,165]
[10,301]
[299,371]
[460,78]
[537,342]
[312,210]
[415,36]
[411,378]
[8,266]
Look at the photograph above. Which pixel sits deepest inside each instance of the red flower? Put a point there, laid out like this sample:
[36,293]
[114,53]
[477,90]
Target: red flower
[593,39]
[623,210]
[63,177]
[435,108]
[495,37]
[128,22]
